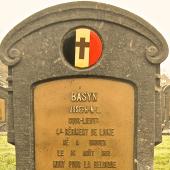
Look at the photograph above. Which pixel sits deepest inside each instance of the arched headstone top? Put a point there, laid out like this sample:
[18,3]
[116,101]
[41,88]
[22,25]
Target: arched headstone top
[167,89]
[156,53]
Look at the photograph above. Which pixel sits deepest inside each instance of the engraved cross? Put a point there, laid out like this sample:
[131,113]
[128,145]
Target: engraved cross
[82,44]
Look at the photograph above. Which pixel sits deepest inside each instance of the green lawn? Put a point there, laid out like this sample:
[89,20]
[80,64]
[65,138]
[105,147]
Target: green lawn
[162,155]
[7,154]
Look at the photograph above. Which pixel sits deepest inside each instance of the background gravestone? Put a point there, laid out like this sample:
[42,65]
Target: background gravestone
[57,85]
[166,109]
[3,109]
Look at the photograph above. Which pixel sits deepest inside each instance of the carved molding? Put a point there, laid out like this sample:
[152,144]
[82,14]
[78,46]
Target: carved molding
[11,58]
[154,55]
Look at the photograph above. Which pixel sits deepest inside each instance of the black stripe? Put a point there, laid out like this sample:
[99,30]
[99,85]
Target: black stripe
[69,47]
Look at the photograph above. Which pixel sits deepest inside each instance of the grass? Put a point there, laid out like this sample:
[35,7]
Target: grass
[162,155]
[7,154]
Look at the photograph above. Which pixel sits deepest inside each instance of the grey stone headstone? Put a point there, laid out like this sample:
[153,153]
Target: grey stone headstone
[132,52]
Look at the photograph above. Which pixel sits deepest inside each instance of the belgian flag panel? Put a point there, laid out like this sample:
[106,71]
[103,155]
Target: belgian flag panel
[82,48]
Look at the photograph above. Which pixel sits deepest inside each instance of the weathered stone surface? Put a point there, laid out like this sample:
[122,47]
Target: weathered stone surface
[132,53]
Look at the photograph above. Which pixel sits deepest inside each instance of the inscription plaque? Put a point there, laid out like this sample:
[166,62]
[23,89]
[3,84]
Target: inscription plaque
[2,110]
[84,123]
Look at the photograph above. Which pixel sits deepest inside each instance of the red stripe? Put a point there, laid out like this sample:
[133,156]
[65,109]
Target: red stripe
[95,48]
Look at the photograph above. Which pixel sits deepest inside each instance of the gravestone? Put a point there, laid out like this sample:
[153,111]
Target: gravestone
[84,88]
[166,110]
[163,106]
[3,109]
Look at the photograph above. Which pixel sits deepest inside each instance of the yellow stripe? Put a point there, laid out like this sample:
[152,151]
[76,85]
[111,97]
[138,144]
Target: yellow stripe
[82,33]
